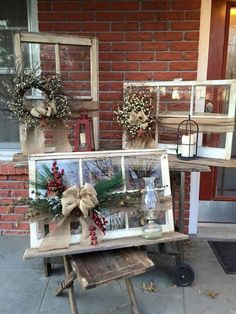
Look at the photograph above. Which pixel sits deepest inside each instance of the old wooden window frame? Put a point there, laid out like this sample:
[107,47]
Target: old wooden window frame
[208,152]
[160,154]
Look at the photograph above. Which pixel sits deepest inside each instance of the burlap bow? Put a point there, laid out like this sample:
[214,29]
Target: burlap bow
[83,198]
[44,110]
[138,118]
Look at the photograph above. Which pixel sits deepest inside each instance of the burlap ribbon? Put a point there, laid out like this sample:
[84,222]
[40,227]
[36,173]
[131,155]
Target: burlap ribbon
[44,110]
[139,118]
[143,139]
[82,198]
[206,125]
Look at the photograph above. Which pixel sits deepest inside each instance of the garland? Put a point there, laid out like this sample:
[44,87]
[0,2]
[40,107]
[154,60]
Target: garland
[55,105]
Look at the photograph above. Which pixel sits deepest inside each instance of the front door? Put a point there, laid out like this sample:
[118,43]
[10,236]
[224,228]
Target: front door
[218,188]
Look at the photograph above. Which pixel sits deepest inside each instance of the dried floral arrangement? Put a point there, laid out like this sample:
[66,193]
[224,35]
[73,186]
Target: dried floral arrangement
[137,118]
[54,106]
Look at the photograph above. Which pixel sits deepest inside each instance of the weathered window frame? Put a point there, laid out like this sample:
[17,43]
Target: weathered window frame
[121,154]
[209,152]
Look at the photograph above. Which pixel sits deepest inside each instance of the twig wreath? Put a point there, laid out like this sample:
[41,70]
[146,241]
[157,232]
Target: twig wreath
[54,106]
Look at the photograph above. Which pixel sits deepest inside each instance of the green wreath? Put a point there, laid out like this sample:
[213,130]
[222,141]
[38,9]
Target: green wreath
[54,107]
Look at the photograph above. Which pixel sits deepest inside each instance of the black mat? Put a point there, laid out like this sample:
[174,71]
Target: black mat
[226,255]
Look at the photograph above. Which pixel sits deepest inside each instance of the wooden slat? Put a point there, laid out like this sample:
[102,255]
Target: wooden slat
[200,163]
[94,269]
[49,38]
[106,245]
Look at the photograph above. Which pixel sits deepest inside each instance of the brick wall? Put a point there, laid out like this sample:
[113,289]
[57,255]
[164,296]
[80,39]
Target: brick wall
[138,40]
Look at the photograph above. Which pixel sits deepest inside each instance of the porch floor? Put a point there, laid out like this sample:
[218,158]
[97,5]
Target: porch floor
[25,290]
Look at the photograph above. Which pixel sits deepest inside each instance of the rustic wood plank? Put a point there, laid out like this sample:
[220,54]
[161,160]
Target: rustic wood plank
[200,163]
[130,289]
[106,245]
[49,38]
[66,283]
[98,268]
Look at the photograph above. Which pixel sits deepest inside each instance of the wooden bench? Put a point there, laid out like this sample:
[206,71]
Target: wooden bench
[94,269]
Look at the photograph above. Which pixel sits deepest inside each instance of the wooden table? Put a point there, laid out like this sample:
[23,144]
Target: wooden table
[135,262]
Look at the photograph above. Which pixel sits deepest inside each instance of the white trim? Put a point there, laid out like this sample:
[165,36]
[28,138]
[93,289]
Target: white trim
[203,50]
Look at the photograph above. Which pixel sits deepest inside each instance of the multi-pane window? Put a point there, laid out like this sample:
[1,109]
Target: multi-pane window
[13,18]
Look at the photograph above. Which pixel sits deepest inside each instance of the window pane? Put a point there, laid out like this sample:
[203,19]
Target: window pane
[13,17]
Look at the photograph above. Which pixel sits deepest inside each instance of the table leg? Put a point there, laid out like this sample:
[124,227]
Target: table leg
[71,295]
[130,289]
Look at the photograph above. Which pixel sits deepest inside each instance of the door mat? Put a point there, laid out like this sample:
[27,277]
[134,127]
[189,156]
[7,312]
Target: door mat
[226,255]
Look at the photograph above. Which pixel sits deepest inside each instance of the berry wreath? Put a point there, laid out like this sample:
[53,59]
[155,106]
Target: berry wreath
[55,104]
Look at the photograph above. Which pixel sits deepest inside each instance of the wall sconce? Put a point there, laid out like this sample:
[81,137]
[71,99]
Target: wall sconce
[187,139]
[84,137]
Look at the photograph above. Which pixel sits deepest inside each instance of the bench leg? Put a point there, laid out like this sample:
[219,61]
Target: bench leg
[71,295]
[133,301]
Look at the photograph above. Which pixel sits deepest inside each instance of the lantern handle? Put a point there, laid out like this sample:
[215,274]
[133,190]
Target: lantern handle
[83,112]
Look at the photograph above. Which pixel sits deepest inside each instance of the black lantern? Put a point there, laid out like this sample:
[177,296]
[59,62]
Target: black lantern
[187,139]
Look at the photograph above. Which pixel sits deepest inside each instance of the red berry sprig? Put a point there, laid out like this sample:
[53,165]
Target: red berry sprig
[56,185]
[100,223]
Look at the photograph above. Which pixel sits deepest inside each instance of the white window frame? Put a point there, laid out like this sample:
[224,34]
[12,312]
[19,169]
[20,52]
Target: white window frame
[35,236]
[208,152]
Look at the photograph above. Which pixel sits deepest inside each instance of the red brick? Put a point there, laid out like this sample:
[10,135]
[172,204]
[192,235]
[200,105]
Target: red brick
[186,5]
[153,66]
[44,6]
[19,178]
[20,209]
[11,185]
[6,226]
[185,25]
[104,46]
[125,66]
[110,134]
[141,16]
[185,46]
[80,16]
[137,76]
[111,37]
[138,36]
[17,232]
[104,106]
[66,6]
[156,5]
[45,27]
[111,76]
[110,16]
[110,96]
[169,55]
[95,27]
[21,226]
[183,66]
[19,193]
[66,27]
[81,76]
[154,26]
[170,16]
[51,16]
[140,56]
[125,5]
[107,115]
[2,177]
[125,46]
[192,15]
[4,193]
[105,125]
[190,55]
[95,5]
[191,36]
[11,218]
[111,56]
[21,170]
[104,66]
[124,26]
[165,76]
[169,36]
[154,46]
